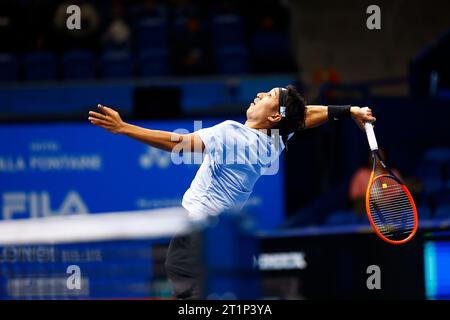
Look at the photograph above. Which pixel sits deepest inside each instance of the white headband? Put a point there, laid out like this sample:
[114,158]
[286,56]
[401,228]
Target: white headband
[282,102]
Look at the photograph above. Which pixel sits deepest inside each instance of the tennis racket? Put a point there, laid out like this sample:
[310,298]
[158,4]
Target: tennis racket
[389,205]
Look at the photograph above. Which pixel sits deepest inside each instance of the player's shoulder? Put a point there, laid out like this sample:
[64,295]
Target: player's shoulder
[231,129]
[230,124]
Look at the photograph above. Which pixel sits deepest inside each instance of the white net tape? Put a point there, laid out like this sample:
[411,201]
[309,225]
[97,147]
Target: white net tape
[131,225]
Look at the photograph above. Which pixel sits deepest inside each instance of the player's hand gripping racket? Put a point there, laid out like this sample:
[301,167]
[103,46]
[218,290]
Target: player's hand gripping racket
[390,207]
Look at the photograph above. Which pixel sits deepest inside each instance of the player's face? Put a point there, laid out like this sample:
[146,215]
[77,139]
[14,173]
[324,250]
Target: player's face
[263,106]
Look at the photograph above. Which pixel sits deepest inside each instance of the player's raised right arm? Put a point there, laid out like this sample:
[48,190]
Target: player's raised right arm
[317,115]
[110,120]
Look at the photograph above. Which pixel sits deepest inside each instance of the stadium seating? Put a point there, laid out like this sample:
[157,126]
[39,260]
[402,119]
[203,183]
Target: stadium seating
[431,175]
[40,65]
[9,69]
[271,52]
[438,155]
[442,212]
[232,60]
[342,217]
[424,212]
[154,63]
[442,197]
[227,30]
[152,33]
[116,64]
[78,64]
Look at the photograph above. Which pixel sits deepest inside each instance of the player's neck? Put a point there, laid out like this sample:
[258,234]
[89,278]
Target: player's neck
[250,124]
[256,125]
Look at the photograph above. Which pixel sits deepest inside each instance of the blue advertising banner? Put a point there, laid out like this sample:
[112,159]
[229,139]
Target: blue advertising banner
[112,269]
[70,168]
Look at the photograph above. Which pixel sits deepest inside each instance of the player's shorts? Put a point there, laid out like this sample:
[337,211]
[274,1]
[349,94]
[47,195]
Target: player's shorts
[184,267]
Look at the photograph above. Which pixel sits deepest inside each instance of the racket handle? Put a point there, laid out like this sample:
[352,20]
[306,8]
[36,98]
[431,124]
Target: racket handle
[371,136]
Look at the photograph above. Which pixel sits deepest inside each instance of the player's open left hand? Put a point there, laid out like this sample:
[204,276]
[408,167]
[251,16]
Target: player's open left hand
[107,118]
[362,115]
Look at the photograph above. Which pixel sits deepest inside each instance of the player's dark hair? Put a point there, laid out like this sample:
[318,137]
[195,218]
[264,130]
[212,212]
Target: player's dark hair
[295,113]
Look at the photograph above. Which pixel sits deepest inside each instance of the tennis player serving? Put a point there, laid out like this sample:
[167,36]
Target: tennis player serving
[226,184]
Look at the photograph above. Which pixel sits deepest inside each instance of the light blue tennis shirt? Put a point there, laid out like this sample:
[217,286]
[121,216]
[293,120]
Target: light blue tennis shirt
[234,158]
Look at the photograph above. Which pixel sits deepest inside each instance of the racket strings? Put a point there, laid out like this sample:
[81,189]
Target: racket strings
[391,209]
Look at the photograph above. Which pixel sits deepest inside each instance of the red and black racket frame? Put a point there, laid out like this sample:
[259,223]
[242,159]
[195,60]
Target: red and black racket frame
[376,154]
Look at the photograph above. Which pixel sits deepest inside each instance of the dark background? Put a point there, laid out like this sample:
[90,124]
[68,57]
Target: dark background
[186,59]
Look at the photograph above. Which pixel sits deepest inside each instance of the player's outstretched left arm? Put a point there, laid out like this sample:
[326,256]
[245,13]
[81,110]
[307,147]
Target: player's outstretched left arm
[317,115]
[110,120]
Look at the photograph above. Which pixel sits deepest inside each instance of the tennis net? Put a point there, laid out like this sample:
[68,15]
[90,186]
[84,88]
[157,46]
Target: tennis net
[91,256]
[120,255]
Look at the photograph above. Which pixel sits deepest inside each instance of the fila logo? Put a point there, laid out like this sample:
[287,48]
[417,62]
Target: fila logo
[38,204]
